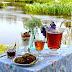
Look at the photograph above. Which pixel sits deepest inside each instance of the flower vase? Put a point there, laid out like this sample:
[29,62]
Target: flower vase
[34,33]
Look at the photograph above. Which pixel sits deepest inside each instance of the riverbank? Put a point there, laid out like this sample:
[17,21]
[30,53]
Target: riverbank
[49,9]
[45,7]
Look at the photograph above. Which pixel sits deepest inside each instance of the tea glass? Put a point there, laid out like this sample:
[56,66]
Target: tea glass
[39,45]
[54,40]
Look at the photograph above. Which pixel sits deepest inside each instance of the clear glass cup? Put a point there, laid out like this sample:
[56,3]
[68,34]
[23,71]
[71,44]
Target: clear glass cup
[39,45]
[25,42]
[54,40]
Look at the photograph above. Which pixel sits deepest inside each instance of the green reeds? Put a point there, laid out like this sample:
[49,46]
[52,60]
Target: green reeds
[51,9]
[48,7]
[1,4]
[40,1]
[27,1]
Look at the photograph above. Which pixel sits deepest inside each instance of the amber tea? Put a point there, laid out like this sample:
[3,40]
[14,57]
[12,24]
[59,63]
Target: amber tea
[39,44]
[54,40]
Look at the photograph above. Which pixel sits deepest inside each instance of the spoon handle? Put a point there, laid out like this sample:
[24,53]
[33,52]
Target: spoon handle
[2,56]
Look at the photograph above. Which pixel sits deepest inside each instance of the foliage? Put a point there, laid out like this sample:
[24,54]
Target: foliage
[48,7]
[1,4]
[29,1]
[51,9]
[45,1]
[32,23]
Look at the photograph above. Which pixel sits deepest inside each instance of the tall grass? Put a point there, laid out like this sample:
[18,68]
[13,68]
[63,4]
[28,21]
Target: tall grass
[42,1]
[1,4]
[28,1]
[51,9]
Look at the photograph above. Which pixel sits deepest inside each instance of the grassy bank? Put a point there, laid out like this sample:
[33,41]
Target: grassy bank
[44,1]
[49,9]
[26,1]
[46,7]
[32,1]
[1,5]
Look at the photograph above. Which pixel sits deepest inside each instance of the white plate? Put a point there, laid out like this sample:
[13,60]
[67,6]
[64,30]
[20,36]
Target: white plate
[24,64]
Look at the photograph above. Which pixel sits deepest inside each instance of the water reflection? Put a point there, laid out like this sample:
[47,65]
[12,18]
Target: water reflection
[11,24]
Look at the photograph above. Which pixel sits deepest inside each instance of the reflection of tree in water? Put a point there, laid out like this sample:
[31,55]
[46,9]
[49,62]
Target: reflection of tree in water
[24,19]
[1,17]
[11,19]
[15,19]
[45,21]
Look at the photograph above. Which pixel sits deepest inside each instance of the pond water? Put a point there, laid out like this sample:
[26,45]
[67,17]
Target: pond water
[11,24]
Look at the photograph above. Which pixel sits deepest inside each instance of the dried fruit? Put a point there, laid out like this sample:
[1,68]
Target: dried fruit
[29,60]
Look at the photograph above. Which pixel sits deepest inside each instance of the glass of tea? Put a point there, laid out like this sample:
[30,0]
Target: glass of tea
[54,40]
[39,45]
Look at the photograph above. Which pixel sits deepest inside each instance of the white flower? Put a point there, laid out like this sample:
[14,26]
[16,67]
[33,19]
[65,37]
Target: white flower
[32,23]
